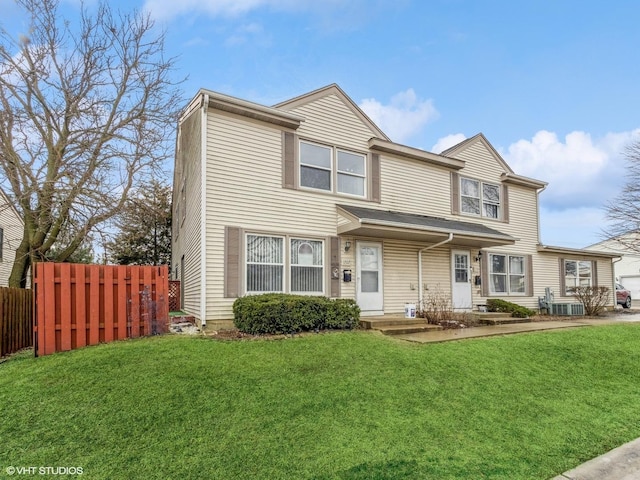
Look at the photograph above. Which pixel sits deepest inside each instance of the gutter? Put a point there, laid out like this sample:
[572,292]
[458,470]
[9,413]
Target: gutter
[420,286]
[203,210]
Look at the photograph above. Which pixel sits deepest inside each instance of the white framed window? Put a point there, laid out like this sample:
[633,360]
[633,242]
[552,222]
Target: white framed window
[351,173]
[316,162]
[265,263]
[478,198]
[332,169]
[307,266]
[577,273]
[507,274]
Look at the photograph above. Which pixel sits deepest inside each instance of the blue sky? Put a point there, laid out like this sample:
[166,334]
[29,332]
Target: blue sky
[552,84]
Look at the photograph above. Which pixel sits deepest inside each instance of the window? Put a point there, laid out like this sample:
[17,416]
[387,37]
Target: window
[577,273]
[307,266]
[319,162]
[477,198]
[351,174]
[315,166]
[265,264]
[506,274]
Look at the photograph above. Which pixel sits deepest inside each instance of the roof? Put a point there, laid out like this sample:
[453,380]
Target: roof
[368,221]
[576,251]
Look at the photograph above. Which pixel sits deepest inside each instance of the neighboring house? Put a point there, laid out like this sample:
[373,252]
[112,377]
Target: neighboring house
[11,231]
[627,267]
[311,197]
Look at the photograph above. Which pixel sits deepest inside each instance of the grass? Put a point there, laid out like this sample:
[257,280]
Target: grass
[330,406]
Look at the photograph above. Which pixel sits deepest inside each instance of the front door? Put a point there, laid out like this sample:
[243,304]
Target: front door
[461,280]
[369,277]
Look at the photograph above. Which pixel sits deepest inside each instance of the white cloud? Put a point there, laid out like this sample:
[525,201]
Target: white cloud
[403,117]
[447,142]
[164,9]
[581,171]
[252,32]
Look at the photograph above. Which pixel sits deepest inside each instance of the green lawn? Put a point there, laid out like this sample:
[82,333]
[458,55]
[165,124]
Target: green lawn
[348,405]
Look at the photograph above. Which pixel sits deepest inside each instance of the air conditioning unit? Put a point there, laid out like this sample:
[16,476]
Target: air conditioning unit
[567,309]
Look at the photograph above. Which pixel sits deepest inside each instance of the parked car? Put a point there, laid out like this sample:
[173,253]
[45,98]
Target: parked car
[623,296]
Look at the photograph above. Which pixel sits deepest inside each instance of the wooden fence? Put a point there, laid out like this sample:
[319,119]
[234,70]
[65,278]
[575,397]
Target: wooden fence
[174,296]
[77,305]
[15,320]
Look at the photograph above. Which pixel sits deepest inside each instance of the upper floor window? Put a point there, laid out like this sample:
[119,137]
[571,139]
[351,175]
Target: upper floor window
[319,164]
[577,273]
[479,198]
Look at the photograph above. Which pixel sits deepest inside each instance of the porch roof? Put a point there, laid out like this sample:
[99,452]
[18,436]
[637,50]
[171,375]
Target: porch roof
[369,222]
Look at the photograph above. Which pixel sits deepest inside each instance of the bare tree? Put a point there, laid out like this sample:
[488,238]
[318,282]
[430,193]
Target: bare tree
[87,113]
[623,213]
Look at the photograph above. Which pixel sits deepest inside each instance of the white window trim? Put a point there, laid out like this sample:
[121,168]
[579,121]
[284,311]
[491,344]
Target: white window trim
[247,263]
[334,170]
[577,276]
[507,274]
[481,199]
[321,267]
[286,265]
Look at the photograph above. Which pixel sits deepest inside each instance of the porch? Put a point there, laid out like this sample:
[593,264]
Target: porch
[397,324]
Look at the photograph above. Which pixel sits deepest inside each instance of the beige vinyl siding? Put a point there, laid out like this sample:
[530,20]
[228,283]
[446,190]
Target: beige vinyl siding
[330,121]
[186,235]
[13,231]
[480,163]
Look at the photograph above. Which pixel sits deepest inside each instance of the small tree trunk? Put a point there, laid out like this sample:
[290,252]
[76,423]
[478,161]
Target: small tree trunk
[20,269]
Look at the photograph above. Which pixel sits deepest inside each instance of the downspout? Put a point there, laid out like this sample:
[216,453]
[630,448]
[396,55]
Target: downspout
[203,211]
[538,212]
[421,288]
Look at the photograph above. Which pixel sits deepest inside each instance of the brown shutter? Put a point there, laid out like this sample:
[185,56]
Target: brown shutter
[288,160]
[455,193]
[484,274]
[375,178]
[335,266]
[232,244]
[594,274]
[505,204]
[528,279]
[563,285]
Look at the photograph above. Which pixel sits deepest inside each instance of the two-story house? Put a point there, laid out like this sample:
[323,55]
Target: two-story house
[311,197]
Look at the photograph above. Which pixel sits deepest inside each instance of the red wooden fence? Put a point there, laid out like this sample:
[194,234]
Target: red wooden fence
[77,305]
[15,320]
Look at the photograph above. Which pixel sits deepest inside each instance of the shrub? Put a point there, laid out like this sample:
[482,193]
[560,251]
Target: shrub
[594,299]
[285,313]
[499,305]
[437,309]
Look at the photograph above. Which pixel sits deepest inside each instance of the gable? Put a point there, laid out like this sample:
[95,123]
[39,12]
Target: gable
[481,159]
[331,116]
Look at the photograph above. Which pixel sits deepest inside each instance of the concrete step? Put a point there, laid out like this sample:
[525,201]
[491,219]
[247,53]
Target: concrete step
[376,322]
[404,329]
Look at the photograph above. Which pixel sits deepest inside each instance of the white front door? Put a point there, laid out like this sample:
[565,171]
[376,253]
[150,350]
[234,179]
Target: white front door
[461,280]
[369,277]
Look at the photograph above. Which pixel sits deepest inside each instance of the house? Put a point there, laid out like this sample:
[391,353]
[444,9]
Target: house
[311,197]
[11,231]
[626,268]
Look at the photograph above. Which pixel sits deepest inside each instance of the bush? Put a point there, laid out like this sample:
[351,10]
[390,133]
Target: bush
[285,313]
[499,305]
[594,299]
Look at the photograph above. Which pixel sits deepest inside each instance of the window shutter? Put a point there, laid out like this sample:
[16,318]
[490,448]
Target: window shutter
[528,280]
[563,286]
[455,193]
[505,203]
[594,274]
[335,267]
[232,244]
[484,274]
[1,242]
[288,160]
[375,178]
